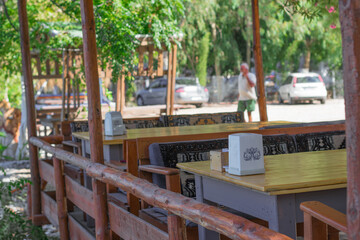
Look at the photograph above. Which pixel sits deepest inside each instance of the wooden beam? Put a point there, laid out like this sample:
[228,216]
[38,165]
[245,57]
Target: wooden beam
[49,207]
[258,61]
[160,65]
[122,93]
[95,118]
[350,30]
[169,84]
[173,77]
[80,196]
[30,106]
[151,60]
[128,226]
[61,198]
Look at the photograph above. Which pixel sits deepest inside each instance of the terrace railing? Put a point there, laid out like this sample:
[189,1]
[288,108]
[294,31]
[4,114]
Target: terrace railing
[121,222]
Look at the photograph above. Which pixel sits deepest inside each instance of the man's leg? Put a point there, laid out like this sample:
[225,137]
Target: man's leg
[249,115]
[241,107]
[250,107]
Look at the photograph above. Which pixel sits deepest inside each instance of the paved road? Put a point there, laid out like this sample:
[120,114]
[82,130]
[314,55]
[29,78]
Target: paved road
[333,109]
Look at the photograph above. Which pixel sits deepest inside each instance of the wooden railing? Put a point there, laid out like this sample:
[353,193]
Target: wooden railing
[322,221]
[179,206]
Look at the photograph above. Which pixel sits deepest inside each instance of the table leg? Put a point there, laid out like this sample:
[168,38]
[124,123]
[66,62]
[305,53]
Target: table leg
[204,234]
[283,219]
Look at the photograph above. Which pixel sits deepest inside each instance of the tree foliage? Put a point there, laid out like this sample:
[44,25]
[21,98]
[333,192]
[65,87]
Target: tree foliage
[118,22]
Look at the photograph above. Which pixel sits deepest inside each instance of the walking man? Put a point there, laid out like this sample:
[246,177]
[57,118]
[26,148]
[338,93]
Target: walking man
[247,94]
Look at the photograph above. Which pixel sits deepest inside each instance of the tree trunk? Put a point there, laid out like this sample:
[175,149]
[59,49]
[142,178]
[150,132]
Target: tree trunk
[217,60]
[307,55]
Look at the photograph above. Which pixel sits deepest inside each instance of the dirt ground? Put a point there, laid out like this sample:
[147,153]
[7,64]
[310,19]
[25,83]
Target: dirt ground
[333,109]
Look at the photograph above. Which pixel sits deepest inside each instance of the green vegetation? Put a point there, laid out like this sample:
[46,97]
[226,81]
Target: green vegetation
[13,224]
[291,30]
[201,68]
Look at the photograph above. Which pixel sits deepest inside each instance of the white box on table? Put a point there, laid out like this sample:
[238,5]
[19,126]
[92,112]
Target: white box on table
[246,154]
[114,124]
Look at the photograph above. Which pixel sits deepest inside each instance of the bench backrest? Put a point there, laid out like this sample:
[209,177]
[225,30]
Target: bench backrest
[202,119]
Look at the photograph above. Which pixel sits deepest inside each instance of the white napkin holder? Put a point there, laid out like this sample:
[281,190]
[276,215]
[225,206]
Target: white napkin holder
[246,154]
[114,124]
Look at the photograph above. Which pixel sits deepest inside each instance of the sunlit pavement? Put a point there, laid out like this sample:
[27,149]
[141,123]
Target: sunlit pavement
[333,109]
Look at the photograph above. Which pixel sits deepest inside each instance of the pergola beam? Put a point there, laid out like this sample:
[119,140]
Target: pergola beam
[95,118]
[258,61]
[30,107]
[350,29]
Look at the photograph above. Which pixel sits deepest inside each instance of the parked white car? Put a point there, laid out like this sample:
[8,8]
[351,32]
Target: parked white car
[301,87]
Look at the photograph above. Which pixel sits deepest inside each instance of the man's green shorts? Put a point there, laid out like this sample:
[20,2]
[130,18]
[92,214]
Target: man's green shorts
[248,105]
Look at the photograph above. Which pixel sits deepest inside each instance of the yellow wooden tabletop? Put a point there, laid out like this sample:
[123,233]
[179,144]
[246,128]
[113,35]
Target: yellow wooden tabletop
[177,131]
[287,173]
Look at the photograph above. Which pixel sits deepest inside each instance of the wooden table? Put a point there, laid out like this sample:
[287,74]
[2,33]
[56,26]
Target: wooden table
[125,148]
[276,195]
[113,144]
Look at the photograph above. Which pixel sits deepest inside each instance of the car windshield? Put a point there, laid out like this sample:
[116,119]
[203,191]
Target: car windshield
[186,81]
[313,79]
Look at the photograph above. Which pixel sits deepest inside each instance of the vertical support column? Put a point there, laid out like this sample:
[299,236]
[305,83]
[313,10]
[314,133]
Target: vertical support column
[95,119]
[173,76]
[258,61]
[169,84]
[123,93]
[132,168]
[64,78]
[350,30]
[30,106]
[60,198]
[118,95]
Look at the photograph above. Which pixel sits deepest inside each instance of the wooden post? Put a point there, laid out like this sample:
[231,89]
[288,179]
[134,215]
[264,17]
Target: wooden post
[258,61]
[173,76]
[60,198]
[123,93]
[118,95]
[350,30]
[30,106]
[64,78]
[132,168]
[95,118]
[169,84]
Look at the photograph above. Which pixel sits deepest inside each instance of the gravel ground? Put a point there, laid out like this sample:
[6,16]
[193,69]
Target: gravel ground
[16,170]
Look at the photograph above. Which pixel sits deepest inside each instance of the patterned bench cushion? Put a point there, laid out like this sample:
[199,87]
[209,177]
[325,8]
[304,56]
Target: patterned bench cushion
[142,123]
[320,141]
[169,154]
[202,119]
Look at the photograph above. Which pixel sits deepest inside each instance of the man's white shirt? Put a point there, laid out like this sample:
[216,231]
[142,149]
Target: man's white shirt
[246,92]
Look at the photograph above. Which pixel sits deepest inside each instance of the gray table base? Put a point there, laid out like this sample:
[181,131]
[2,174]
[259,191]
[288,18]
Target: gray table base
[281,211]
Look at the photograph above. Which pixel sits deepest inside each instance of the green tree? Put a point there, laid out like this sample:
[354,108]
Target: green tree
[201,68]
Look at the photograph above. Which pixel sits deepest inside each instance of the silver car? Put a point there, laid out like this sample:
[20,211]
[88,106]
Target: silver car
[187,91]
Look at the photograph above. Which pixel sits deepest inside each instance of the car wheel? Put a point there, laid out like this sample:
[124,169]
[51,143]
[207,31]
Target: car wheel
[140,101]
[323,101]
[291,100]
[198,105]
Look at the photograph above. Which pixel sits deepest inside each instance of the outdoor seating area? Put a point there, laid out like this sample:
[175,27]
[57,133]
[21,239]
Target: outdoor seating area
[153,177]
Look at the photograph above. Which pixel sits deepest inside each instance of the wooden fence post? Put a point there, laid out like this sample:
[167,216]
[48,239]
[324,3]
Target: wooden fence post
[30,106]
[61,198]
[350,30]
[95,117]
[258,61]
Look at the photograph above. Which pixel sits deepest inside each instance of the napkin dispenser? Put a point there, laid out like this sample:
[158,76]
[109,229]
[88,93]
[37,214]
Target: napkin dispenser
[246,154]
[114,124]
